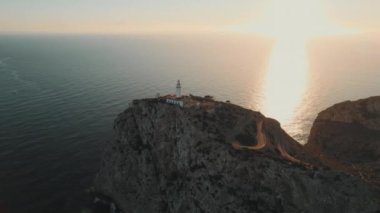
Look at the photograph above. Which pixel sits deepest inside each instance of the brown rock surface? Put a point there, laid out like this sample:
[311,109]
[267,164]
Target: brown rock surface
[346,136]
[198,159]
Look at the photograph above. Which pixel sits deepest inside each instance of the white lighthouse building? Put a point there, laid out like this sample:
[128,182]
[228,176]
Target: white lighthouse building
[178,91]
[176,100]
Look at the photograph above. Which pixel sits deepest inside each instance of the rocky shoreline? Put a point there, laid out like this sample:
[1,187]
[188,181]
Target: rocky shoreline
[346,137]
[212,156]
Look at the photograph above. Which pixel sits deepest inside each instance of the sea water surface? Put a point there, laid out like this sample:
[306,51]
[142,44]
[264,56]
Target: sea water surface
[59,95]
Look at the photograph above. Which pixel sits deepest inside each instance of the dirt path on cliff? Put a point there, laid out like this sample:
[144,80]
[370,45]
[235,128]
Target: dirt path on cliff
[260,137]
[262,142]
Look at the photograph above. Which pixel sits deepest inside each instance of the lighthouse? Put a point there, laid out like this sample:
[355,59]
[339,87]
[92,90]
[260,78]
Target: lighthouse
[176,101]
[178,89]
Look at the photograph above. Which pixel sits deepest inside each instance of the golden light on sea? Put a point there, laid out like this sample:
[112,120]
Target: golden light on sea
[291,24]
[285,79]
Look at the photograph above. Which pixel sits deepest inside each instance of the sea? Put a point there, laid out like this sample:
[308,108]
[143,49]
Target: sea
[60,93]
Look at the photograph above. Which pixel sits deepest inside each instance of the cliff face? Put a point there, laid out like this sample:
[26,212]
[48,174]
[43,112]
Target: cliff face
[217,157]
[346,136]
[365,112]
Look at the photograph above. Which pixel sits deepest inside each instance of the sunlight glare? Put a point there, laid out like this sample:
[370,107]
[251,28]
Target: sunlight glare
[285,79]
[291,23]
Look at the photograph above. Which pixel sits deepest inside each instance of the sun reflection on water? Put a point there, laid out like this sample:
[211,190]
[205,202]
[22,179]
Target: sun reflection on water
[285,79]
[292,24]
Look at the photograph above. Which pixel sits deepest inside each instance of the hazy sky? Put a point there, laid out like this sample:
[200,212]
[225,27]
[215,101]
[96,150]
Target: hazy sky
[163,15]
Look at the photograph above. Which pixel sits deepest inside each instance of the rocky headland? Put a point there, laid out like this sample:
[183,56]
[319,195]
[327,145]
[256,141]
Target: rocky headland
[346,137]
[211,156]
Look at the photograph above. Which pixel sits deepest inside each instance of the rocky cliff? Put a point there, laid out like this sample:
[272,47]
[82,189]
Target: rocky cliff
[346,136]
[218,157]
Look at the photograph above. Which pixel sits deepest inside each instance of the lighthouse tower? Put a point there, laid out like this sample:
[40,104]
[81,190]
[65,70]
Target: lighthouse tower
[178,91]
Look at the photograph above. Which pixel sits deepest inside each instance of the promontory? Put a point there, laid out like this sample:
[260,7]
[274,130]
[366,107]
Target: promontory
[195,154]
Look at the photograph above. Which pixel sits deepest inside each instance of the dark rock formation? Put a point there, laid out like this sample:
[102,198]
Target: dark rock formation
[346,136]
[217,157]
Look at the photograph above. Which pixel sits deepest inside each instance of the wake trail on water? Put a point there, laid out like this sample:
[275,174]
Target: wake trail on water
[24,84]
[3,61]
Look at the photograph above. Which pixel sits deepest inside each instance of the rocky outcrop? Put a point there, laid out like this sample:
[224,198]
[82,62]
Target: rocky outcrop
[346,136]
[218,157]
